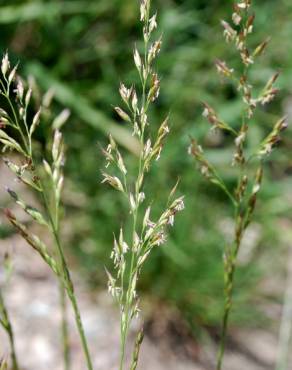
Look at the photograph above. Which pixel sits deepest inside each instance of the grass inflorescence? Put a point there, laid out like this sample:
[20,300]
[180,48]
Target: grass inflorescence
[249,165]
[129,256]
[43,176]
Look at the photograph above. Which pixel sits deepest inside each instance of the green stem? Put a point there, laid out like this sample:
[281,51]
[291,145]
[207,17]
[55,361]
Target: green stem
[12,346]
[285,334]
[229,272]
[6,323]
[64,327]
[71,295]
[68,284]
[129,300]
[227,309]
[70,291]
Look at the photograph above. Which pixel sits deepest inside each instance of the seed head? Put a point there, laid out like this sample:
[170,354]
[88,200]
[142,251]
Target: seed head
[61,119]
[12,75]
[229,33]
[155,87]
[123,245]
[236,18]
[154,50]
[137,60]
[56,145]
[120,163]
[147,149]
[125,93]
[5,65]
[144,7]
[124,116]
[152,23]
[114,181]
[146,217]
[134,102]
[246,57]
[223,69]
[261,48]
[19,90]
[244,5]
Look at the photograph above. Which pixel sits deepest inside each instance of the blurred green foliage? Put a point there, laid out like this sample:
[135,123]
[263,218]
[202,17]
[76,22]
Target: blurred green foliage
[83,49]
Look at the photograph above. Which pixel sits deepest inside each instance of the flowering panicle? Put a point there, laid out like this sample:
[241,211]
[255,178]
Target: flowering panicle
[238,34]
[244,195]
[129,256]
[45,178]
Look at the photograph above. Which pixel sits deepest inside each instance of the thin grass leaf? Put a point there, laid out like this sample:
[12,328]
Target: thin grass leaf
[48,10]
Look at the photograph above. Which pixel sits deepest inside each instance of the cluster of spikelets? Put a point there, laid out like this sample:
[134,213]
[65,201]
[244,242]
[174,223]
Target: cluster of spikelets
[25,169]
[43,176]
[129,256]
[250,165]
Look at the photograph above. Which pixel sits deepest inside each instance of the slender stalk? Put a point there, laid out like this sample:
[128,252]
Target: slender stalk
[286,321]
[78,320]
[230,259]
[68,284]
[54,221]
[64,327]
[7,326]
[12,346]
[228,292]
[71,294]
[129,299]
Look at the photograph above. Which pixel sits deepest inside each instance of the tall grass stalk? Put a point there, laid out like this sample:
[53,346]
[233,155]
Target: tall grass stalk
[3,365]
[7,326]
[64,327]
[285,333]
[45,178]
[129,256]
[249,165]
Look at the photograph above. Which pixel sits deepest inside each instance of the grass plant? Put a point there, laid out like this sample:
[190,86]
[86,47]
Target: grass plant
[129,256]
[248,163]
[43,176]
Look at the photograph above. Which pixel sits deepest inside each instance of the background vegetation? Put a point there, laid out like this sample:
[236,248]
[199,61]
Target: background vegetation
[83,49]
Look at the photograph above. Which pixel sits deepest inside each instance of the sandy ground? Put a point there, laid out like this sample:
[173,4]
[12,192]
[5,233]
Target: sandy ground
[32,298]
